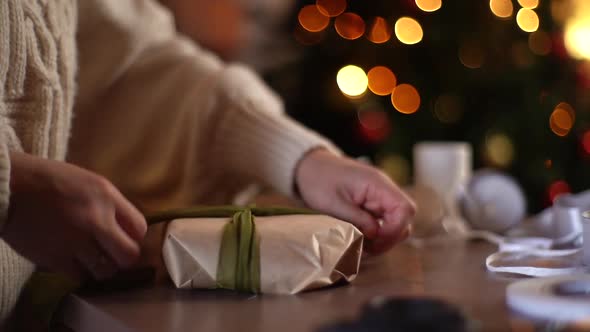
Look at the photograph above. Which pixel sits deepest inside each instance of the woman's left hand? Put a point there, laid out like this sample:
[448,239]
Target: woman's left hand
[357,193]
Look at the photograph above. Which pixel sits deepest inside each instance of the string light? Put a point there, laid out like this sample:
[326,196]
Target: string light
[408,31]
[380,31]
[562,119]
[350,26]
[381,80]
[527,20]
[557,188]
[352,81]
[331,8]
[499,150]
[396,167]
[405,98]
[429,5]
[311,19]
[374,123]
[540,42]
[530,4]
[471,55]
[502,8]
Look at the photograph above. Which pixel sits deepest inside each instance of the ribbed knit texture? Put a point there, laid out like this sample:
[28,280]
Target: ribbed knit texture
[167,122]
[37,66]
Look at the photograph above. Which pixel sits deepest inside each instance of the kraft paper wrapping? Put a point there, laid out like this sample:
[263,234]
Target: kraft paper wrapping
[297,252]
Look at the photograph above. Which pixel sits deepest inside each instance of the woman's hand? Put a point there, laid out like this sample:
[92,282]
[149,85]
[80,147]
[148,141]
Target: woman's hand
[67,219]
[358,193]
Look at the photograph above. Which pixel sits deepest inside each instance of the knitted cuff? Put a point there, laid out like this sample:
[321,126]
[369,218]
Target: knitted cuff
[256,138]
[4,183]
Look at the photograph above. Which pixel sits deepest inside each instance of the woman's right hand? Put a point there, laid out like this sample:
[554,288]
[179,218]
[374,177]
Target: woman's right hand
[67,219]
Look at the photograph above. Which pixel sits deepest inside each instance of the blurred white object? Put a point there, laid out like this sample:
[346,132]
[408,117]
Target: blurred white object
[492,201]
[586,236]
[443,166]
[557,299]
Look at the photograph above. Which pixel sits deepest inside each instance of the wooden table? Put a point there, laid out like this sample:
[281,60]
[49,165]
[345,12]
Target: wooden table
[449,269]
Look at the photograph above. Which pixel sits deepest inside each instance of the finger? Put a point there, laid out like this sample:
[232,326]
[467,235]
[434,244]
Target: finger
[123,250]
[394,229]
[129,218]
[364,221]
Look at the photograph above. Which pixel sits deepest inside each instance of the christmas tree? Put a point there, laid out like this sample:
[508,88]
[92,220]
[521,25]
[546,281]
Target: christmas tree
[509,77]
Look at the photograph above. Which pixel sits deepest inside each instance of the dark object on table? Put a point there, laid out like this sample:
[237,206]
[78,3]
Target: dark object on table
[405,314]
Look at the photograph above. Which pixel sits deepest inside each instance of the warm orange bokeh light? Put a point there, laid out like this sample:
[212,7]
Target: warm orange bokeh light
[502,8]
[471,55]
[540,42]
[408,30]
[405,98]
[562,119]
[311,19]
[350,26]
[527,20]
[530,4]
[331,8]
[380,31]
[381,80]
[429,5]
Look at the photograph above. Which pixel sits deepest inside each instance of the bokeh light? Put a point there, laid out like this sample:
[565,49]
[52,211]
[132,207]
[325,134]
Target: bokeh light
[405,98]
[548,163]
[557,188]
[311,19]
[331,8]
[380,31]
[540,42]
[396,167]
[374,123]
[382,80]
[471,55]
[352,81]
[562,119]
[502,8]
[350,26]
[408,30]
[499,150]
[448,109]
[527,20]
[577,38]
[561,10]
[530,4]
[429,5]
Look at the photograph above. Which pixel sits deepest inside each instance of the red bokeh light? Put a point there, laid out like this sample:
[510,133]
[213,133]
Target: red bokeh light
[557,188]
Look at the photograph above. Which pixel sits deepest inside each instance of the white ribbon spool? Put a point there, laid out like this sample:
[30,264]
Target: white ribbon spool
[558,299]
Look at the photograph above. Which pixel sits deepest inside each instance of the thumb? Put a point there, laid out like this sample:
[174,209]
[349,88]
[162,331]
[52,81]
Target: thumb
[358,217]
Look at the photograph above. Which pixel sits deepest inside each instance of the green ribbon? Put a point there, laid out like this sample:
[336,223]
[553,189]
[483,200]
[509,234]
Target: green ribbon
[238,266]
[239,255]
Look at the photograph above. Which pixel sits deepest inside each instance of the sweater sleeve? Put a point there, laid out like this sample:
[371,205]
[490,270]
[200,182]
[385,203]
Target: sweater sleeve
[4,181]
[160,116]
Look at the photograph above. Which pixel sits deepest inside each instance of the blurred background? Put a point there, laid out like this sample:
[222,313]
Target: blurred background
[511,77]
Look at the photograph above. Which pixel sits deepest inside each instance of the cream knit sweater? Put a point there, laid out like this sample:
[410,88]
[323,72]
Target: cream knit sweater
[167,122]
